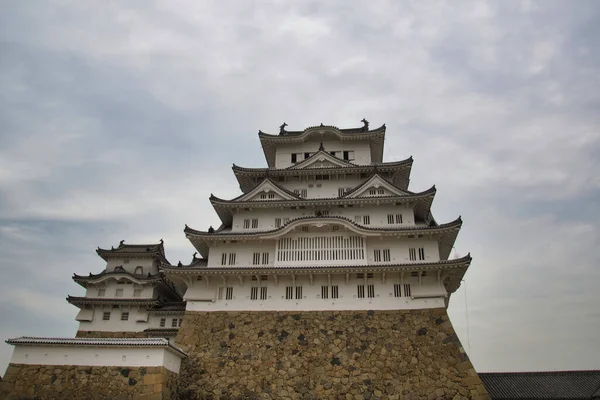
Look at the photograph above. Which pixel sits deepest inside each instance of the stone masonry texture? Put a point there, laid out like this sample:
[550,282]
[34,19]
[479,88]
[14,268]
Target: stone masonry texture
[363,355]
[56,382]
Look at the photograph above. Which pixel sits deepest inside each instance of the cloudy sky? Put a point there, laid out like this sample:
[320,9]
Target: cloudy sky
[119,118]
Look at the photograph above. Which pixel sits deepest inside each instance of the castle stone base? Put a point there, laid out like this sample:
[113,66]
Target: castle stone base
[54,382]
[406,354]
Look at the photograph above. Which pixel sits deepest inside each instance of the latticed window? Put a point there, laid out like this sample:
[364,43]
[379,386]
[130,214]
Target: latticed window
[229,293]
[254,293]
[412,254]
[174,323]
[124,316]
[298,292]
[137,292]
[361,291]
[106,316]
[371,291]
[377,255]
[231,258]
[119,293]
[256,259]
[321,249]
[386,255]
[246,224]
[407,289]
[289,292]
[263,293]
[101,292]
[397,290]
[334,292]
[324,292]
[163,322]
[277,222]
[421,253]
[265,258]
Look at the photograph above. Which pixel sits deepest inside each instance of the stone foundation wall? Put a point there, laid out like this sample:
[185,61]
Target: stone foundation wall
[405,354]
[55,382]
[104,334]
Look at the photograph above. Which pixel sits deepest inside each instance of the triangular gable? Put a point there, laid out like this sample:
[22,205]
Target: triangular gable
[322,159]
[376,186]
[265,191]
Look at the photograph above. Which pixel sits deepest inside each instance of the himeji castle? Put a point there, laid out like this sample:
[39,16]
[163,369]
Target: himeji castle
[326,277]
[327,225]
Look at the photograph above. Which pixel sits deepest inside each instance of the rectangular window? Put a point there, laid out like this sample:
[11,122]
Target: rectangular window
[322,177]
[324,292]
[224,259]
[407,289]
[277,222]
[348,155]
[298,292]
[421,253]
[361,291]
[137,292]
[397,292]
[366,220]
[286,220]
[163,322]
[263,293]
[412,254]
[174,323]
[263,195]
[124,316]
[342,191]
[229,293]
[357,218]
[390,218]
[265,258]
[301,192]
[101,292]
[271,195]
[289,292]
[371,291]
[246,224]
[119,293]
[377,255]
[305,229]
[106,316]
[398,218]
[334,292]
[231,258]
[254,223]
[255,258]
[220,293]
[386,255]
[254,293]
[294,158]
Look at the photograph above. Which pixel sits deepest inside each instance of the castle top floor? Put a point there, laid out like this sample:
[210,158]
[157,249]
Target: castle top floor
[360,146]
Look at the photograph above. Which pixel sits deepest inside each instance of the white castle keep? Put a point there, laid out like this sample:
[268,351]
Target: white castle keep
[327,225]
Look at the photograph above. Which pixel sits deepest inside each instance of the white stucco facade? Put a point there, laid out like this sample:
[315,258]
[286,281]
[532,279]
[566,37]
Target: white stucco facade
[95,355]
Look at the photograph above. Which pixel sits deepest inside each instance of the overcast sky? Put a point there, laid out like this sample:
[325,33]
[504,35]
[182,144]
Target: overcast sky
[119,118]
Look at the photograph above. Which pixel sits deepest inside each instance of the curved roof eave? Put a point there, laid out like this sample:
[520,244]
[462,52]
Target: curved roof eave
[330,219]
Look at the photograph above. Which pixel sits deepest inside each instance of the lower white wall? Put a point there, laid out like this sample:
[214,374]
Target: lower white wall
[114,324]
[426,294]
[96,356]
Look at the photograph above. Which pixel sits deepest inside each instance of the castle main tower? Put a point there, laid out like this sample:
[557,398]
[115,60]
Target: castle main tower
[327,277]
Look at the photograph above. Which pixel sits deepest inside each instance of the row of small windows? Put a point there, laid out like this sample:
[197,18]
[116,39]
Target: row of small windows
[318,248]
[327,292]
[347,155]
[269,195]
[260,259]
[392,219]
[119,292]
[175,322]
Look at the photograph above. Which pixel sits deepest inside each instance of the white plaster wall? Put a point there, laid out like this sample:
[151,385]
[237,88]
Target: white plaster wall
[147,263]
[399,251]
[378,216]
[96,356]
[362,151]
[319,189]
[111,286]
[348,300]
[131,325]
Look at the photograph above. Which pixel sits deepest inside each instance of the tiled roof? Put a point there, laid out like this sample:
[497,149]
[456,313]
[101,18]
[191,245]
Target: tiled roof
[361,129]
[135,250]
[543,385]
[100,342]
